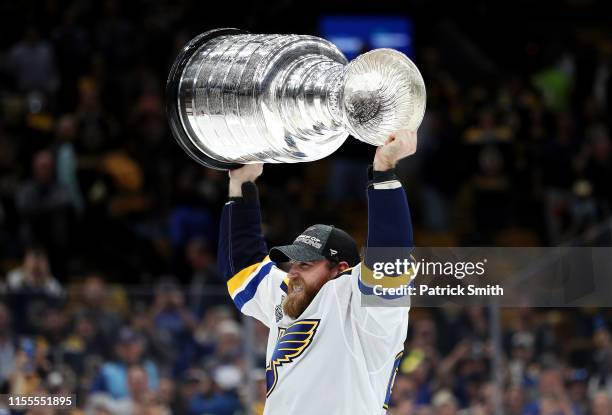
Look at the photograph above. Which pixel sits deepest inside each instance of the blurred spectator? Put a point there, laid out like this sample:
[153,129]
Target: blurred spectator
[92,301]
[437,149]
[83,347]
[171,317]
[489,187]
[514,400]
[31,366]
[552,396]
[576,384]
[216,341]
[190,217]
[555,82]
[96,130]
[601,364]
[160,344]
[7,346]
[115,35]
[67,161]
[560,161]
[61,381]
[191,383]
[598,168]
[31,288]
[444,403]
[405,407]
[421,385]
[138,399]
[228,342]
[403,389]
[521,355]
[425,337]
[206,287]
[31,62]
[601,404]
[217,396]
[72,45]
[113,376]
[45,208]
[53,328]
[258,404]
[167,395]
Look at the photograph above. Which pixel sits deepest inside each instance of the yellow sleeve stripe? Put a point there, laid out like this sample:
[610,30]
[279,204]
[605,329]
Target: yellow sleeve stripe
[234,283]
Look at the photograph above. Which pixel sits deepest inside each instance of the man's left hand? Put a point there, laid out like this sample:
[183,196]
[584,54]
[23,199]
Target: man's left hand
[400,144]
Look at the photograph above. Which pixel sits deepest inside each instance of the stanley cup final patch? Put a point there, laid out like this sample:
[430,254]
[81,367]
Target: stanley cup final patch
[278,310]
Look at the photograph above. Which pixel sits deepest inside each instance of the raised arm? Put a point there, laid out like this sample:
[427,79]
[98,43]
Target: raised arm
[241,240]
[253,281]
[383,327]
[389,223]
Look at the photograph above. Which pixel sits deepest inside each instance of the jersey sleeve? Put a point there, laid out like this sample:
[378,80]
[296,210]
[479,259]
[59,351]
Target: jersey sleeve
[389,222]
[373,335]
[383,321]
[241,240]
[389,237]
[253,280]
[256,290]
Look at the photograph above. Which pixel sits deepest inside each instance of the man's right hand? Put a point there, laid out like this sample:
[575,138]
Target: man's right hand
[246,173]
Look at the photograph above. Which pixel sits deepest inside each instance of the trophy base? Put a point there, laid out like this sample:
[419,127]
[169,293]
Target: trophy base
[172,108]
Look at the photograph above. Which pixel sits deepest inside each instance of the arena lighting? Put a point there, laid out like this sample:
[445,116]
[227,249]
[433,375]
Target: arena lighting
[355,34]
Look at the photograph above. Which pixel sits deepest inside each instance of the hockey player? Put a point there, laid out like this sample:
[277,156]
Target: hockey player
[326,353]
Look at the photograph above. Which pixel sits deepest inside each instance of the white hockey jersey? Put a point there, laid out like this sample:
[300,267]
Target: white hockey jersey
[337,358]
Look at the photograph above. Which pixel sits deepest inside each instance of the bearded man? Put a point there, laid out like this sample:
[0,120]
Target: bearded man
[327,354]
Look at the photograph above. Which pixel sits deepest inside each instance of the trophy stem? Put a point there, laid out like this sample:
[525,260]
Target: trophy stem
[335,81]
[308,98]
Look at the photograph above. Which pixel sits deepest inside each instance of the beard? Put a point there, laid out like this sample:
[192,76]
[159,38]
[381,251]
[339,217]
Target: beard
[299,297]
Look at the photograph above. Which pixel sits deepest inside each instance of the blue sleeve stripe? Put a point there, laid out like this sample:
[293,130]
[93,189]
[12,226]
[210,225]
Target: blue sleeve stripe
[251,288]
[284,286]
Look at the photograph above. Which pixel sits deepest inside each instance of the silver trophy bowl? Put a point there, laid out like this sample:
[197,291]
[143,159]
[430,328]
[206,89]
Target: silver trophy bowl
[236,98]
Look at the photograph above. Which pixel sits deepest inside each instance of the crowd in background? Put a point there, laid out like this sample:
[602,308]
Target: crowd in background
[108,286]
[174,349]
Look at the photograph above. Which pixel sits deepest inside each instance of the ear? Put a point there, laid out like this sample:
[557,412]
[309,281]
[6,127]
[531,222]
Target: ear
[343,266]
[340,267]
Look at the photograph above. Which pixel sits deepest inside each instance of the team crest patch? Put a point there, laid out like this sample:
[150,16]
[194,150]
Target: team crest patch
[292,342]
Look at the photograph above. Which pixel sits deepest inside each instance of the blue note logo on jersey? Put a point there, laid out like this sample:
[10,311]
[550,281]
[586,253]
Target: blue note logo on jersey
[292,342]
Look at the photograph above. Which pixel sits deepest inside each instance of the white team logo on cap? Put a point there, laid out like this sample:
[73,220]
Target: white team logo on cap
[309,240]
[333,251]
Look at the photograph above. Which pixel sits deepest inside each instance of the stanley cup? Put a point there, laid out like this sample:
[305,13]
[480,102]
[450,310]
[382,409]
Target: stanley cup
[236,98]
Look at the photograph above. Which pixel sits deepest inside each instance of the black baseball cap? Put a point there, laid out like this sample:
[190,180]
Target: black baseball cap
[319,242]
